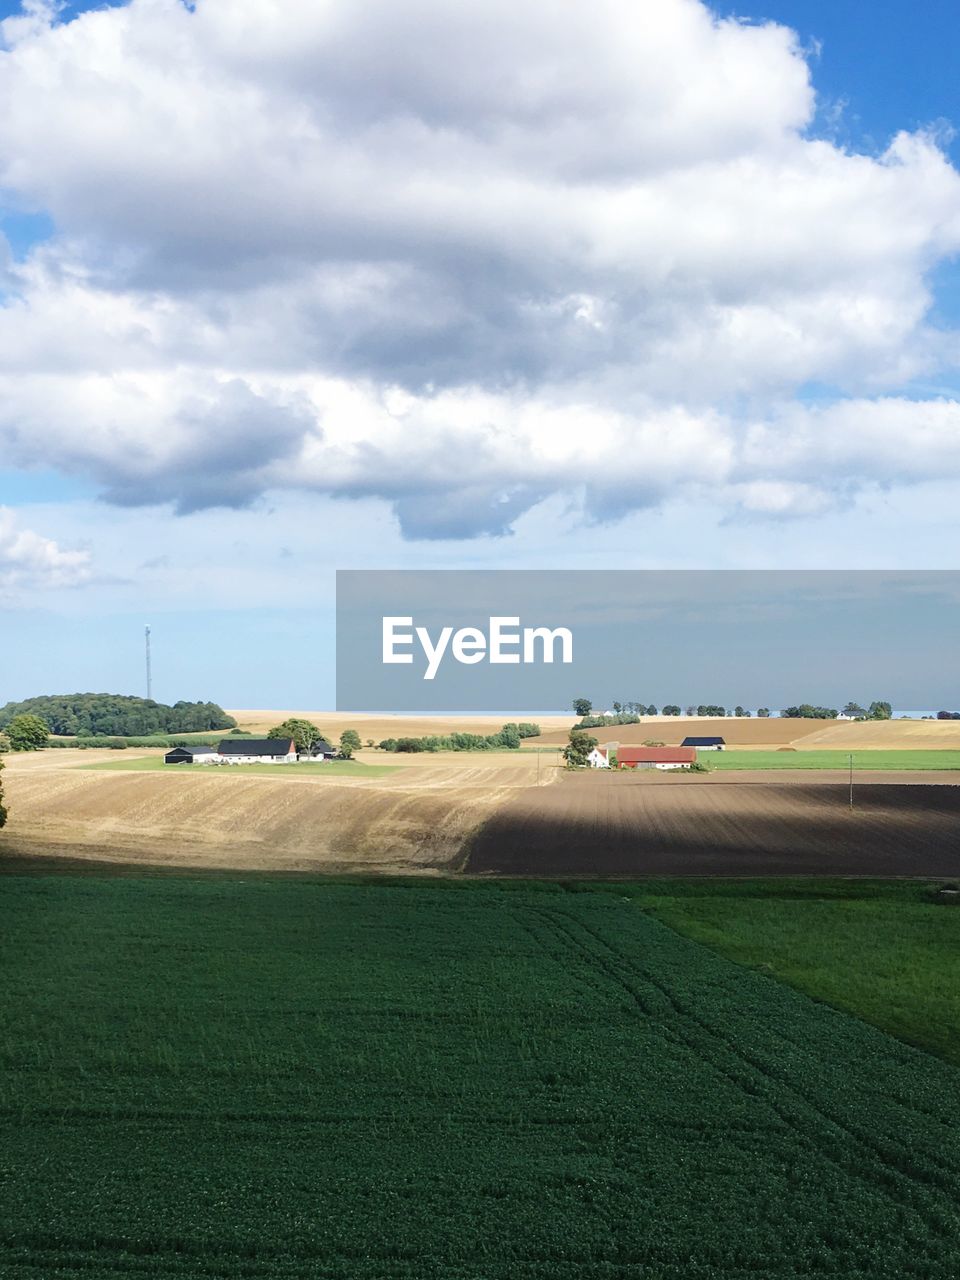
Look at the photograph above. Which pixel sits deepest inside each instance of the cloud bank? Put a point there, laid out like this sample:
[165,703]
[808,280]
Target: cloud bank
[29,560]
[461,258]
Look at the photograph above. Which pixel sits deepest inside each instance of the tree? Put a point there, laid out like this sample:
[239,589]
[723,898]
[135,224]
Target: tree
[303,733]
[578,749]
[582,706]
[27,733]
[4,743]
[509,736]
[739,711]
[651,710]
[712,710]
[617,708]
[350,738]
[3,812]
[880,711]
[854,709]
[528,729]
[691,711]
[114,714]
[764,713]
[671,709]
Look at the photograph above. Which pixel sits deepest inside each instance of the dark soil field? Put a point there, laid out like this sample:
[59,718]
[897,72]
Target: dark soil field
[616,824]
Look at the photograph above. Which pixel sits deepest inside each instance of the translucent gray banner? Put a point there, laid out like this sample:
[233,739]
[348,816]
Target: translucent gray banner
[519,641]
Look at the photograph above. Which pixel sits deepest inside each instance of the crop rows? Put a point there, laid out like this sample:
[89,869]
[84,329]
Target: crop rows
[266,1079]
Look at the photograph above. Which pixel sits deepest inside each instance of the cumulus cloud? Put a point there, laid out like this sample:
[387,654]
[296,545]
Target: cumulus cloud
[460,257]
[29,560]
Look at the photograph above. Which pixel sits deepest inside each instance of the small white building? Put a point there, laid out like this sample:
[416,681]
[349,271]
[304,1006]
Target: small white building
[598,759]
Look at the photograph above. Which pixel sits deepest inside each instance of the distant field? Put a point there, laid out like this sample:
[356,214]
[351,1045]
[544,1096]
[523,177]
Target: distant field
[804,759]
[285,1079]
[327,769]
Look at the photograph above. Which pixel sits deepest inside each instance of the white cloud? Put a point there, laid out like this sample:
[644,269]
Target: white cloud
[31,561]
[460,257]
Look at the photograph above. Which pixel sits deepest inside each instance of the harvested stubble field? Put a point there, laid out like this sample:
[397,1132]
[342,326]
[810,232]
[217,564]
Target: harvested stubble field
[303,1080]
[621,825]
[416,818]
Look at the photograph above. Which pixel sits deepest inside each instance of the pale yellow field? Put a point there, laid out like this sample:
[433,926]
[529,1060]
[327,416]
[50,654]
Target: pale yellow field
[379,727]
[416,820]
[890,735]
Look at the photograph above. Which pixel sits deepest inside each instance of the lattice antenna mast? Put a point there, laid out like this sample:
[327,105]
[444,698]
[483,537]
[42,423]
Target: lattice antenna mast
[146,636]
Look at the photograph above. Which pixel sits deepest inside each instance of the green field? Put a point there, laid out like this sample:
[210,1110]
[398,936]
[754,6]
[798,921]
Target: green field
[830,759]
[258,1077]
[311,768]
[882,950]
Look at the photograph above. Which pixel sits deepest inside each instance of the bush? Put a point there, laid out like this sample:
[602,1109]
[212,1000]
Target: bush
[528,730]
[27,732]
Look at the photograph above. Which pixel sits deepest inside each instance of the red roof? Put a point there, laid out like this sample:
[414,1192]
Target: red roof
[656,755]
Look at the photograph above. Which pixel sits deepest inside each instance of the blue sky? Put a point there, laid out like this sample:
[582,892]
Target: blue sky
[289,288]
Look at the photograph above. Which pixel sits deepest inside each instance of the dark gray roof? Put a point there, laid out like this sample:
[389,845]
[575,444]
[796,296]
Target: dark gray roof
[323,748]
[702,742]
[256,746]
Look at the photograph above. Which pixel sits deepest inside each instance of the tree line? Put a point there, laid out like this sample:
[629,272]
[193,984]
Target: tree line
[116,715]
[630,712]
[507,738]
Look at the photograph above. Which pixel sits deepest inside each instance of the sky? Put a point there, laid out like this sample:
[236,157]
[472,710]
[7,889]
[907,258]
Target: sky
[287,287]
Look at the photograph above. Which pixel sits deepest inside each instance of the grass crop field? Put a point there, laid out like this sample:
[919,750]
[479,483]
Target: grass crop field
[808,759]
[303,769]
[884,951]
[260,1078]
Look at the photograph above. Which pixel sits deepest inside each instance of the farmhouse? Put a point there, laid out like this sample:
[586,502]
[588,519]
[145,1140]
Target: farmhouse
[258,751]
[191,755]
[598,759]
[655,757]
[320,751]
[705,744]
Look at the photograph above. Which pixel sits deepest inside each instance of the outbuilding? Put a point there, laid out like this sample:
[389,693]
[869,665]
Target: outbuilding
[321,751]
[258,751]
[705,744]
[598,759]
[656,757]
[191,755]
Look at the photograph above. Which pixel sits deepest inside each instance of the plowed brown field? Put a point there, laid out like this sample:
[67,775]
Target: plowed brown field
[415,820]
[597,824]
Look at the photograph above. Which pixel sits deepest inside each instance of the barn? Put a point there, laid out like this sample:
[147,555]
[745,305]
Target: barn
[258,751]
[705,744]
[656,757]
[191,755]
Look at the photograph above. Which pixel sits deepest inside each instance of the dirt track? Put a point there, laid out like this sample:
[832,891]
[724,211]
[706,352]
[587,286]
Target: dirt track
[622,825]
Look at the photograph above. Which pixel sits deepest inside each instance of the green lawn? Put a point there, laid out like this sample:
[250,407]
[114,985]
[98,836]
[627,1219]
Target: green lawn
[257,1077]
[326,769]
[884,951]
[830,759]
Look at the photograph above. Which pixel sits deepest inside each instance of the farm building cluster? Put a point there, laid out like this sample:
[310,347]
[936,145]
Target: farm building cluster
[613,754]
[250,751]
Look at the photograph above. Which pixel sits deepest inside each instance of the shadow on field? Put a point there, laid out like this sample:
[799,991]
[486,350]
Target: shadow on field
[613,825]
